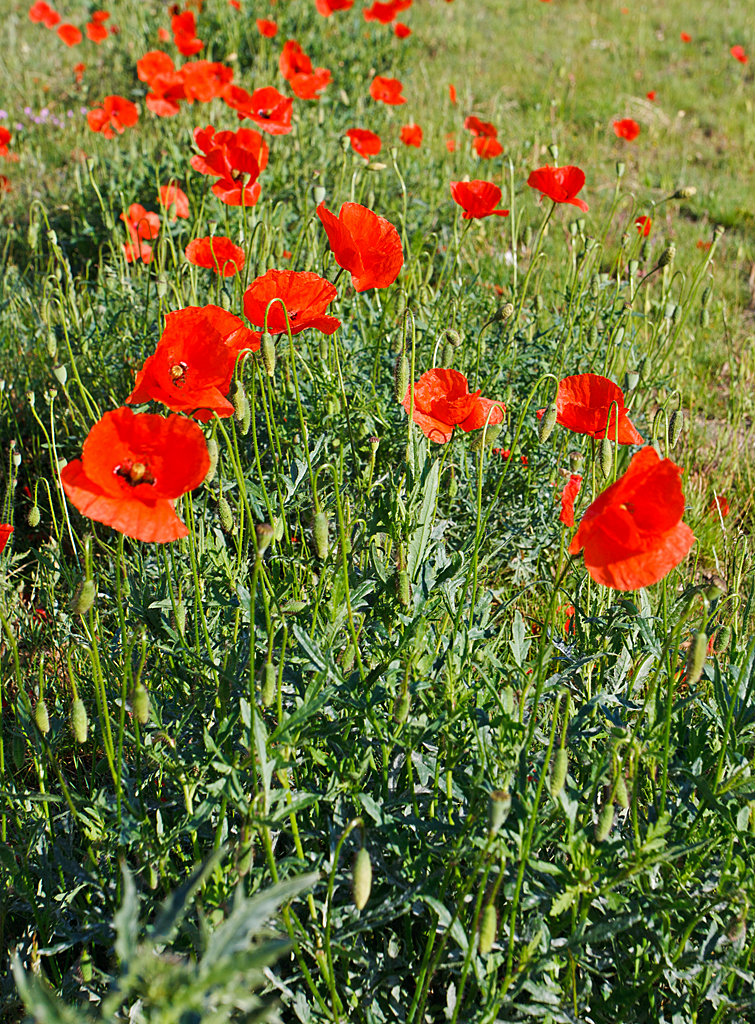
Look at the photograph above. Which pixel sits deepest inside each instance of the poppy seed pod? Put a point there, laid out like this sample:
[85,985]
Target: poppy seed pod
[696,656]
[61,375]
[675,426]
[268,685]
[604,823]
[362,879]
[605,455]
[631,380]
[401,377]
[214,452]
[621,795]
[620,168]
[560,769]
[320,533]
[33,516]
[267,348]
[226,515]
[499,807]
[178,618]
[83,597]
[41,717]
[488,929]
[547,423]
[141,704]
[668,256]
[576,460]
[79,721]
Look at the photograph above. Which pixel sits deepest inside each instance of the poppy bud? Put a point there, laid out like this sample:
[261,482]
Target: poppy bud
[722,640]
[706,297]
[696,656]
[582,224]
[162,286]
[488,929]
[620,168]
[269,685]
[214,452]
[402,706]
[41,717]
[401,377]
[141,704]
[18,750]
[361,879]
[605,455]
[79,721]
[553,150]
[576,459]
[447,356]
[593,335]
[453,487]
[404,587]
[226,515]
[499,807]
[52,345]
[242,412]
[267,348]
[604,823]
[489,434]
[83,597]
[560,768]
[245,861]
[348,659]
[705,317]
[152,876]
[320,532]
[539,303]
[621,795]
[33,516]
[631,380]
[667,256]
[685,193]
[718,230]
[319,194]
[265,534]
[61,375]
[178,618]
[528,236]
[675,426]
[547,423]
[658,424]
[573,228]
[669,310]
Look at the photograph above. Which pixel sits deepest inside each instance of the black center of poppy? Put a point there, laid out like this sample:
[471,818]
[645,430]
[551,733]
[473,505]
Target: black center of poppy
[178,374]
[134,473]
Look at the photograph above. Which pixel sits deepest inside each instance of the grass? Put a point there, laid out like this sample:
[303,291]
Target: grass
[270,717]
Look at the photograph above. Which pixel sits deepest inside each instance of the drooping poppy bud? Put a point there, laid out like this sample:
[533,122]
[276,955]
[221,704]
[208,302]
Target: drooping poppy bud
[404,588]
[488,929]
[675,426]
[226,515]
[402,706]
[320,533]
[141,704]
[604,823]
[547,423]
[33,516]
[667,256]
[79,720]
[696,656]
[722,640]
[41,717]
[605,455]
[267,348]
[265,534]
[83,598]
[401,373]
[362,879]
[178,618]
[213,451]
[621,795]
[558,774]
[500,805]
[269,685]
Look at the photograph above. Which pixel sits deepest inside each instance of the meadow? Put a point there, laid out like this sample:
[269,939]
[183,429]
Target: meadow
[376,602]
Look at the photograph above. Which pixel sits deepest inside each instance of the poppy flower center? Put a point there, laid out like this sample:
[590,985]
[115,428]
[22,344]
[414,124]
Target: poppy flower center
[628,507]
[134,473]
[178,374]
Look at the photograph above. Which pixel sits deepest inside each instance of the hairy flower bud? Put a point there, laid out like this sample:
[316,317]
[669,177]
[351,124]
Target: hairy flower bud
[696,656]
[604,823]
[269,682]
[213,451]
[79,721]
[547,423]
[33,516]
[404,587]
[558,774]
[226,515]
[500,805]
[41,717]
[668,256]
[675,427]
[488,929]
[605,455]
[362,879]
[621,794]
[401,377]
[83,597]
[265,534]
[722,640]
[687,192]
[140,704]
[178,618]
[402,706]
[320,533]
[267,348]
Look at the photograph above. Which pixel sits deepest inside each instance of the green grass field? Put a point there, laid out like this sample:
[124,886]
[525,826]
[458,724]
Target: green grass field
[341,730]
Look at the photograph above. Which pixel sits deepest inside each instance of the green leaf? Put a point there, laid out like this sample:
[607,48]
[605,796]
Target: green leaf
[519,645]
[421,533]
[126,919]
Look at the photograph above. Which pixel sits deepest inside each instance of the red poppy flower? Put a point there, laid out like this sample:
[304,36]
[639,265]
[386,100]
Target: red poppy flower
[115,113]
[5,533]
[100,16]
[401,30]
[568,497]
[42,12]
[738,53]
[366,245]
[632,534]
[703,245]
[266,28]
[184,28]
[141,223]
[442,401]
[719,504]
[172,195]
[187,45]
[364,142]
[166,87]
[5,137]
[561,184]
[192,366]
[96,32]
[643,225]
[583,403]
[452,93]
[70,35]
[685,37]
[385,12]
[138,250]
[205,80]
[293,60]
[480,128]
[306,296]
[78,71]
[215,252]
[626,129]
[327,7]
[411,135]
[477,198]
[132,469]
[237,158]
[267,107]
[451,142]
[487,148]
[5,184]
[387,90]
[163,35]
[310,86]
[651,95]
[234,4]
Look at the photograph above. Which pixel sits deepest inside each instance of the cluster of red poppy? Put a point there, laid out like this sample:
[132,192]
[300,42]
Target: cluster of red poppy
[199,80]
[184,28]
[485,137]
[296,68]
[115,115]
[41,13]
[5,140]
[216,252]
[385,13]
[440,400]
[140,224]
[328,7]
[236,159]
